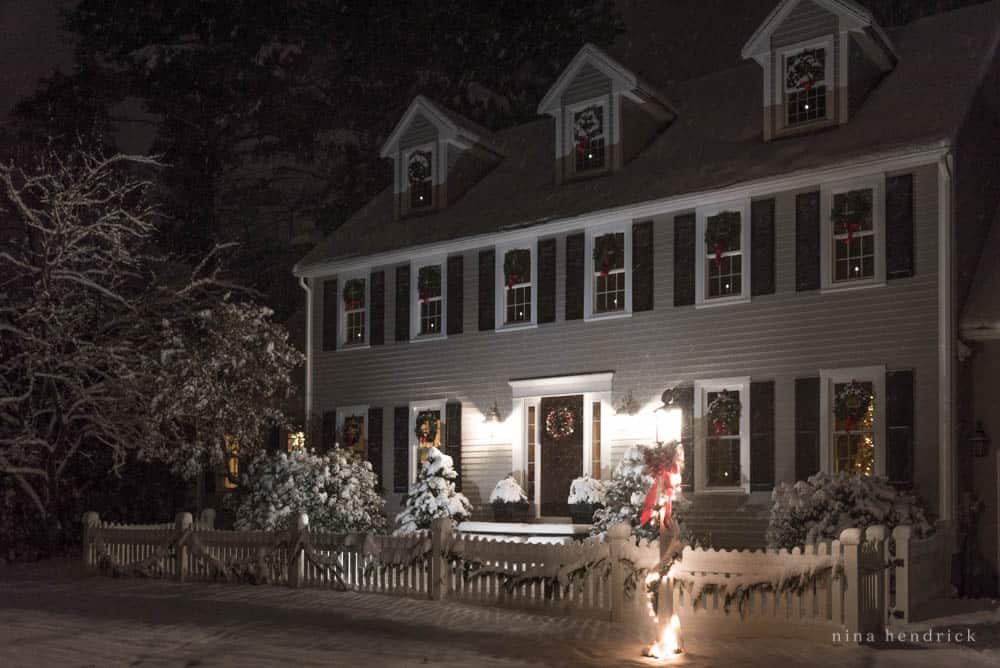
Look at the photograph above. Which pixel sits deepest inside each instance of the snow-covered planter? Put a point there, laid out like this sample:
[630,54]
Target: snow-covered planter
[510,503]
[821,507]
[338,491]
[586,495]
[433,495]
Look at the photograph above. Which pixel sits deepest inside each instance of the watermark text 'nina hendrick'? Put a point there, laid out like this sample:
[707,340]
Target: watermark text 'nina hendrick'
[928,636]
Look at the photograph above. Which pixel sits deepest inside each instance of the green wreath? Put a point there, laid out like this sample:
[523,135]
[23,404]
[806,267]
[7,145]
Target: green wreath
[517,267]
[608,253]
[806,70]
[354,293]
[847,219]
[722,233]
[429,282]
[429,418]
[724,413]
[351,430]
[560,422]
[851,403]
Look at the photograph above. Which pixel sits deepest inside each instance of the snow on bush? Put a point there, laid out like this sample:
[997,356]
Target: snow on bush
[624,495]
[508,491]
[586,490]
[821,507]
[338,491]
[433,495]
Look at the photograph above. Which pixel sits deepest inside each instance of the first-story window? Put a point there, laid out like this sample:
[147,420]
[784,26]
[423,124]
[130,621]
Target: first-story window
[517,286]
[854,427]
[532,426]
[609,278]
[723,408]
[355,311]
[352,430]
[429,296]
[724,255]
[426,432]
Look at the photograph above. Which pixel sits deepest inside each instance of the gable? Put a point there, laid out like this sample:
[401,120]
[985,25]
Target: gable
[588,83]
[806,21]
[419,131]
[797,20]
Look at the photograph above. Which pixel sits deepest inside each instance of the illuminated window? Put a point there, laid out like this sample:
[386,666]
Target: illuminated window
[419,179]
[355,312]
[723,255]
[608,267]
[430,301]
[854,435]
[517,286]
[296,441]
[595,450]
[805,75]
[589,137]
[722,411]
[232,472]
[853,231]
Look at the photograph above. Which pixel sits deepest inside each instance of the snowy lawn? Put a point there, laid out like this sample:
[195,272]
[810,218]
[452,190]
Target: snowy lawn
[50,616]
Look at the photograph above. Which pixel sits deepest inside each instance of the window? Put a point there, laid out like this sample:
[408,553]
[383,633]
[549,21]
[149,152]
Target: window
[805,84]
[428,306]
[419,172]
[589,133]
[426,431]
[532,426]
[355,312]
[515,276]
[352,430]
[610,285]
[853,235]
[851,420]
[595,440]
[722,408]
[231,475]
[723,268]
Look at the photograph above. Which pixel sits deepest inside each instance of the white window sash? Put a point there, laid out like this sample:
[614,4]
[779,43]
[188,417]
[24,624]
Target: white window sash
[590,286]
[702,389]
[876,183]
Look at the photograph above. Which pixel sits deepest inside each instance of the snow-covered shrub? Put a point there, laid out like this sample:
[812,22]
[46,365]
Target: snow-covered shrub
[508,491]
[624,495]
[827,503]
[433,495]
[338,491]
[586,490]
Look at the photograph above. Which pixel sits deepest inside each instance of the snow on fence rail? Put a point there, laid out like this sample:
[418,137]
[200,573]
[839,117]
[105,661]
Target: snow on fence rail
[830,587]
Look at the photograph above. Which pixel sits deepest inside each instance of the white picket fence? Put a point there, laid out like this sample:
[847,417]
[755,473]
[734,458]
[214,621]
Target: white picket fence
[842,585]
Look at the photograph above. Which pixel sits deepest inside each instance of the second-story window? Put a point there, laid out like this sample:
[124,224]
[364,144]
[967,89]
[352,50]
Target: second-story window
[853,231]
[355,316]
[609,278]
[723,255]
[517,286]
[418,167]
[589,137]
[805,85]
[429,298]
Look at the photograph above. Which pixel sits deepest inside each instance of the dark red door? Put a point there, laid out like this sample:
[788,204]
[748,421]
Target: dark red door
[561,458]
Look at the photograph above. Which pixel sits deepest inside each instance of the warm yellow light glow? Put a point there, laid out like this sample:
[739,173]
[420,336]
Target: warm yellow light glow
[668,424]
[669,644]
[296,441]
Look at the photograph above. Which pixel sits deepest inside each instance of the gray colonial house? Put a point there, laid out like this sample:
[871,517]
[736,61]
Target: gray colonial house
[796,230]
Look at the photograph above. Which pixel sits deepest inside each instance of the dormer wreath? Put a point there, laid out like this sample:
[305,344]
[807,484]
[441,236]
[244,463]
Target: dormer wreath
[722,231]
[724,414]
[851,404]
[419,166]
[429,283]
[851,215]
[805,69]
[588,127]
[354,294]
[608,252]
[517,267]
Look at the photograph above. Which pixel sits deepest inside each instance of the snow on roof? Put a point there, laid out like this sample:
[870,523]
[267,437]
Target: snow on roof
[715,142]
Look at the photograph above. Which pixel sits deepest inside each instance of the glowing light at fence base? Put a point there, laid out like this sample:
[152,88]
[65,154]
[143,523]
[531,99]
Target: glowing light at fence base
[669,644]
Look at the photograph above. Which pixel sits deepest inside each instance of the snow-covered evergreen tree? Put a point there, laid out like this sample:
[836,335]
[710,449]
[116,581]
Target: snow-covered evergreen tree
[827,503]
[338,491]
[433,495]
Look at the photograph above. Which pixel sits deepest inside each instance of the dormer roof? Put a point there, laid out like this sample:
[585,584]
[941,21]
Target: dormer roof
[853,18]
[623,80]
[452,127]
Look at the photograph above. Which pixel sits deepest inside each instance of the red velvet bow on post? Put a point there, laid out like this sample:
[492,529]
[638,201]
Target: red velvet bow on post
[664,482]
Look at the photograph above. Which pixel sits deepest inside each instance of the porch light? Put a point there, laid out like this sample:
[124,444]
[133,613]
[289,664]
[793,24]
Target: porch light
[492,420]
[979,442]
[669,419]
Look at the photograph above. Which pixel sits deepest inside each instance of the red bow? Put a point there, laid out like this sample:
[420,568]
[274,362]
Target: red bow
[604,270]
[851,229]
[718,254]
[666,480]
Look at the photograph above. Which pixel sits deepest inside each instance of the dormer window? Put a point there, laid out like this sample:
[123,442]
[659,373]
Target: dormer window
[589,137]
[418,170]
[805,74]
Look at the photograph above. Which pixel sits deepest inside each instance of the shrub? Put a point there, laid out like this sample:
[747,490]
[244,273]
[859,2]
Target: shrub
[433,495]
[586,490]
[338,491]
[508,491]
[821,507]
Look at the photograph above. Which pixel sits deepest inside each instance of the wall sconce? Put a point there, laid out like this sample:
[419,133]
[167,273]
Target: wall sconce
[492,420]
[979,441]
[669,418]
[628,405]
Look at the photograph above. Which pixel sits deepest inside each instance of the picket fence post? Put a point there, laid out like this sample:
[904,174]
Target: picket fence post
[850,539]
[296,553]
[91,524]
[182,522]
[618,536]
[901,568]
[877,535]
[441,529]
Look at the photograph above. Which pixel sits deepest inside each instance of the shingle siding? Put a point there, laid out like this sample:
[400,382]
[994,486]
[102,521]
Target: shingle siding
[782,336]
[807,21]
[588,83]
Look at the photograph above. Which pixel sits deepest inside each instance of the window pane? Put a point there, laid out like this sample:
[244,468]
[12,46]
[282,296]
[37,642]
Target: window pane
[430,316]
[530,486]
[805,89]
[854,434]
[419,178]
[723,459]
[429,282]
[519,304]
[609,252]
[588,137]
[853,235]
[609,292]
[429,426]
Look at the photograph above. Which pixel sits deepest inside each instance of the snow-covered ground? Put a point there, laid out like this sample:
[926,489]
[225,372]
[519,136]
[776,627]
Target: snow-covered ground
[49,616]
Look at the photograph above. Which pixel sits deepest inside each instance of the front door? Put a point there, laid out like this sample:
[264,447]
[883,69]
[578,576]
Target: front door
[561,450]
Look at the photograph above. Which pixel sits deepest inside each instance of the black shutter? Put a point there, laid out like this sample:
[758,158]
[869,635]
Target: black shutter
[487,290]
[762,436]
[403,303]
[575,266]
[684,396]
[330,305]
[684,258]
[806,427]
[401,449]
[642,266]
[762,247]
[328,437]
[807,230]
[456,294]
[375,442]
[547,280]
[899,226]
[377,283]
[899,431]
[453,437]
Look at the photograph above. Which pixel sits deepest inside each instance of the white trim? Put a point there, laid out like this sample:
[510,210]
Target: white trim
[702,215]
[415,266]
[898,160]
[874,374]
[876,182]
[342,344]
[304,282]
[500,298]
[416,407]
[622,79]
[555,386]
[946,342]
[701,389]
[853,17]
[829,79]
[624,227]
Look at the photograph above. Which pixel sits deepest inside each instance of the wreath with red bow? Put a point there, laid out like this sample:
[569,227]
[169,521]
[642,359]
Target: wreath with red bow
[430,420]
[663,463]
[517,267]
[354,293]
[851,403]
[429,283]
[722,233]
[724,414]
[560,422]
[805,69]
[608,253]
[352,430]
[851,214]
